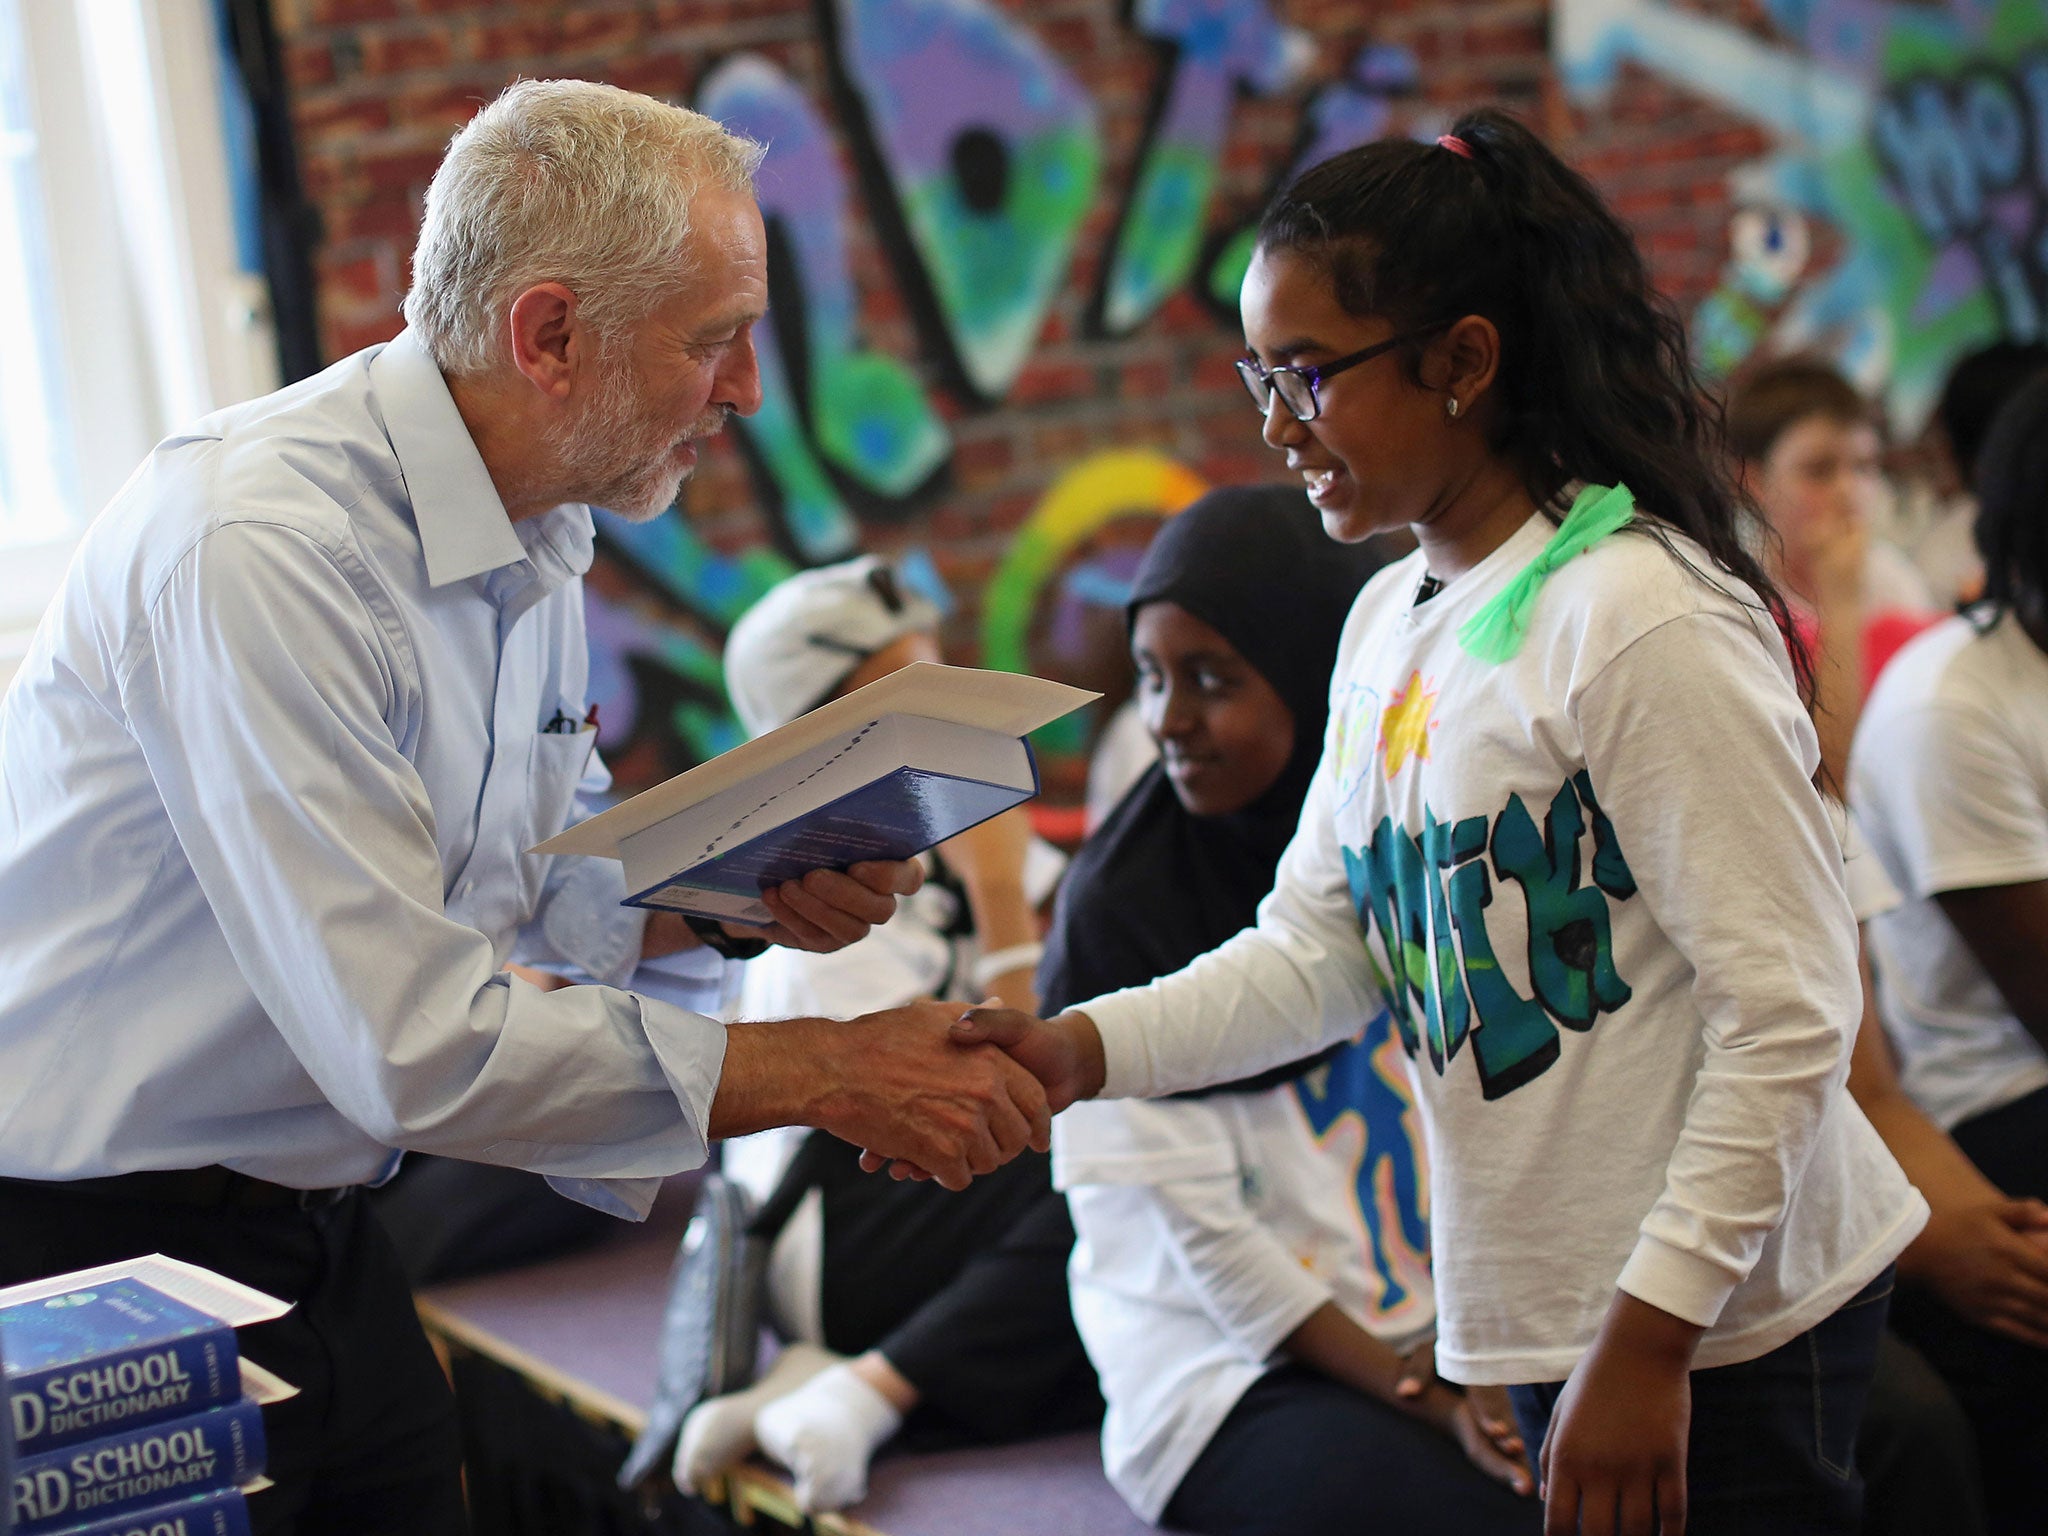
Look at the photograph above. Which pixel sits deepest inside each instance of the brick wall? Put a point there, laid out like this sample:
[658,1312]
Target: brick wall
[379,86]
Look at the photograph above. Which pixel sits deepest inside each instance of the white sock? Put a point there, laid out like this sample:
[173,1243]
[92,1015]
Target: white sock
[720,1430]
[825,1432]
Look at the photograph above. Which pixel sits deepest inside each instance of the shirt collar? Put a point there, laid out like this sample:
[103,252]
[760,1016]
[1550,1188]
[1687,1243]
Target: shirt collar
[463,527]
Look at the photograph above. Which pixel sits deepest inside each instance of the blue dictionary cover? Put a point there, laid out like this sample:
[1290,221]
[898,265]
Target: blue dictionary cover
[895,817]
[138,1469]
[6,1453]
[108,1357]
[222,1512]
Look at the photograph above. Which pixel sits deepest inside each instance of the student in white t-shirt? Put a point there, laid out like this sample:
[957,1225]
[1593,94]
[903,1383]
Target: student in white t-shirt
[1565,830]
[1950,782]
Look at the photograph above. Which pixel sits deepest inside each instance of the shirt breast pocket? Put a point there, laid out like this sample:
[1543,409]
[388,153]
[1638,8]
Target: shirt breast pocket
[554,769]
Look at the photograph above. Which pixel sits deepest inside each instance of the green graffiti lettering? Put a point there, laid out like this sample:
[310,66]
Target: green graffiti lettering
[1610,869]
[1428,898]
[1513,1040]
[1571,946]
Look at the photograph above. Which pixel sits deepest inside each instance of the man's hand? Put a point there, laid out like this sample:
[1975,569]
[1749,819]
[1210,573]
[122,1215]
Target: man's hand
[1990,1263]
[826,910]
[1063,1054]
[1613,1463]
[897,1083]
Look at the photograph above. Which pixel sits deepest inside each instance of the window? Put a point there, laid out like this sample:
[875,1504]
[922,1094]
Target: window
[37,484]
[121,277]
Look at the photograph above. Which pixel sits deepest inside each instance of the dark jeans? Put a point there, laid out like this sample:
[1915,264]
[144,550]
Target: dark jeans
[368,1447]
[1772,1450]
[1301,1455]
[1916,1452]
[2001,1383]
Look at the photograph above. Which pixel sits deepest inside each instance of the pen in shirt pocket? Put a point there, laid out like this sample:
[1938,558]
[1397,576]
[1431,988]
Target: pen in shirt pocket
[565,724]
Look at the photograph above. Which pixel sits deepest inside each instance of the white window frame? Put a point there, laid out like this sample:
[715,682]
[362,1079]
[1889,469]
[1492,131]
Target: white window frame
[155,320]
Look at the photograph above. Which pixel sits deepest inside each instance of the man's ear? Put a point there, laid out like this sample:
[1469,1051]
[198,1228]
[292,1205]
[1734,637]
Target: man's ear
[1464,361]
[547,338]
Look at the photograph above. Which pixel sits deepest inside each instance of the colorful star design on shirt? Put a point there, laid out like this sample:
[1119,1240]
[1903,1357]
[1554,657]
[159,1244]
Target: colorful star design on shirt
[1405,724]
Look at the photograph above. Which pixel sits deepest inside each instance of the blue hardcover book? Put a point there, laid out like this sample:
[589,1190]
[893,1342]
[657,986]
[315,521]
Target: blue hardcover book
[223,1512]
[6,1452]
[110,1356]
[882,773]
[138,1468]
[884,788]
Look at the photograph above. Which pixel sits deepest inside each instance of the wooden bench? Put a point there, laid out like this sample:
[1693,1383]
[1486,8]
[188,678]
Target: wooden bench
[579,1334]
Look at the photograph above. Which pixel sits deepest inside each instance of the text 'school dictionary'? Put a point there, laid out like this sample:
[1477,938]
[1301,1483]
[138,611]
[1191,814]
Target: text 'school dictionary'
[126,1345]
[108,1357]
[884,773]
[137,1468]
[222,1512]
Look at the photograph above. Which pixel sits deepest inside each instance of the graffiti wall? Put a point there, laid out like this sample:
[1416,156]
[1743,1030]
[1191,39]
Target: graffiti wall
[1896,220]
[1006,238]
[976,156]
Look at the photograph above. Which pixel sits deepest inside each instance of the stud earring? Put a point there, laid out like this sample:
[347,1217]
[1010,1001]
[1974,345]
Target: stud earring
[1451,407]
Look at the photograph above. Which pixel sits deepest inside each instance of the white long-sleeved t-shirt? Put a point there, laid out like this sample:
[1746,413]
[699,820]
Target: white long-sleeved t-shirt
[1601,897]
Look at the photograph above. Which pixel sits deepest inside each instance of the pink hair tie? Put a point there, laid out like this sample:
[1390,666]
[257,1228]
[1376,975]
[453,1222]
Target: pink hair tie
[1455,145]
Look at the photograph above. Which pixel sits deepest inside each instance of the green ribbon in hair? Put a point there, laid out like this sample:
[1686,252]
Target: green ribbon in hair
[1495,632]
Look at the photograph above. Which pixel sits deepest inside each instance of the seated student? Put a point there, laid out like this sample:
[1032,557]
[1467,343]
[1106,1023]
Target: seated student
[952,1306]
[1917,1451]
[1949,781]
[1253,1259]
[1811,457]
[1946,550]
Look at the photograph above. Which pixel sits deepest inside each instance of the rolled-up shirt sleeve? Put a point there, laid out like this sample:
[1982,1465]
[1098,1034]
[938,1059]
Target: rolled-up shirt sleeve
[272,730]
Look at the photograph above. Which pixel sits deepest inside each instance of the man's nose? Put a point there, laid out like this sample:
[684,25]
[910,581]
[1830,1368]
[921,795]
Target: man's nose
[739,378]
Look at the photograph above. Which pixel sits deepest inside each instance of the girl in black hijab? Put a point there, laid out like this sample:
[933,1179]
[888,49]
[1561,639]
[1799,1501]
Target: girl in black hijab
[1160,883]
[1252,1259]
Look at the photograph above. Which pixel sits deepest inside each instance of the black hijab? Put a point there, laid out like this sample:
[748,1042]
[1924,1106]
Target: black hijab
[1156,886]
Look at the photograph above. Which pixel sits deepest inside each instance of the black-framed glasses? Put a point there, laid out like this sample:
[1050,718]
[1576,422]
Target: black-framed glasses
[1300,388]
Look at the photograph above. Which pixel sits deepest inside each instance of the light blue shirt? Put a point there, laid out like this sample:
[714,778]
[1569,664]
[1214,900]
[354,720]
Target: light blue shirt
[266,779]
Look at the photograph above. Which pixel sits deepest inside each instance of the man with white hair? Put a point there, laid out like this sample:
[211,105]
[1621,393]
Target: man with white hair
[314,683]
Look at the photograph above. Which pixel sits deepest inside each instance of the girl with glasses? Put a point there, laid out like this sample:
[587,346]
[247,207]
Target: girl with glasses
[1565,830]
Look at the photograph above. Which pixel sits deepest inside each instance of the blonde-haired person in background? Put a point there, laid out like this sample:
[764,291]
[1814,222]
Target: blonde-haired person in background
[314,682]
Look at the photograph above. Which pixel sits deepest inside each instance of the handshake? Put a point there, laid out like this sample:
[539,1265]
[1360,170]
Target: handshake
[929,1091]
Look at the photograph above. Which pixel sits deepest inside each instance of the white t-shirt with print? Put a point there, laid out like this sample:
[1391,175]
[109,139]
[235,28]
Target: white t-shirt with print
[1210,1229]
[1605,905]
[1949,777]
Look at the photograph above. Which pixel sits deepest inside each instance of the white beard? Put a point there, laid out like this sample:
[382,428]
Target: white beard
[619,455]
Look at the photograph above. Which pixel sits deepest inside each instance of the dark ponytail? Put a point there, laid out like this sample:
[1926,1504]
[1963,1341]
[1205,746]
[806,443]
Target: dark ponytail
[1595,380]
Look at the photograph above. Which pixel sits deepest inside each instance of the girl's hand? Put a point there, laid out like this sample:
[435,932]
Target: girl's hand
[1988,1263]
[1613,1463]
[1418,1369]
[1479,1418]
[1837,551]
[1496,1453]
[1494,1415]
